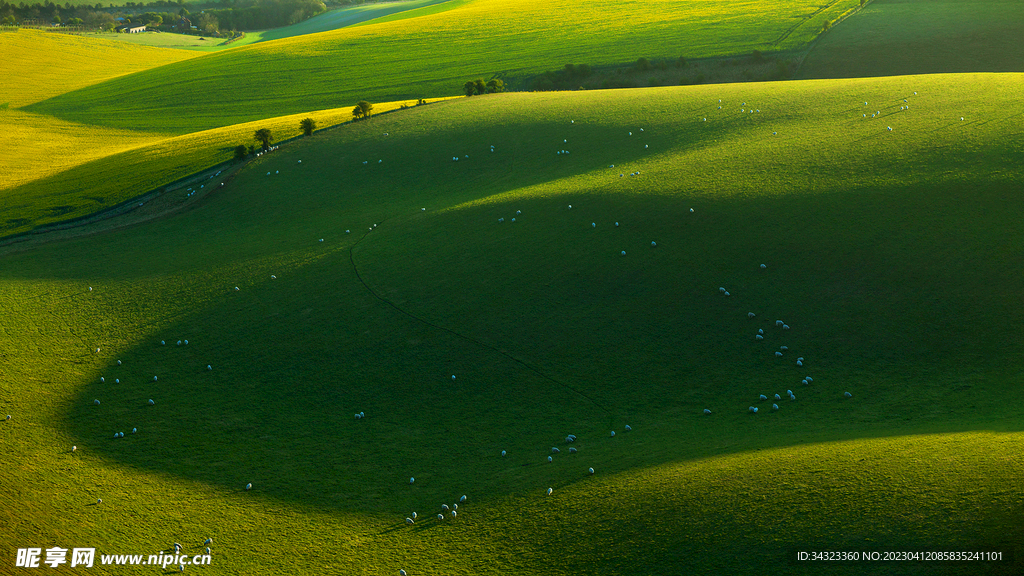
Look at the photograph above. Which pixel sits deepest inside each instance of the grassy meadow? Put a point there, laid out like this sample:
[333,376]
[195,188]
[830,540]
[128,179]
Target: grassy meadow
[332,20]
[401,59]
[894,37]
[359,270]
[40,65]
[99,168]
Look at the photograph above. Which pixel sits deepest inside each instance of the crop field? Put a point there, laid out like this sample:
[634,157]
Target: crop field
[39,65]
[401,59]
[894,37]
[466,310]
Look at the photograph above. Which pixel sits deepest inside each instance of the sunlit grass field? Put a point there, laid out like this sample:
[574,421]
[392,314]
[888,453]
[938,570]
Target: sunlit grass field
[893,37]
[893,256]
[331,20]
[39,65]
[433,55]
[96,168]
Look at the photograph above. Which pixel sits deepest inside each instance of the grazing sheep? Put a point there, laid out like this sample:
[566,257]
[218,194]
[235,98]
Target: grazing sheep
[613,432]
[775,406]
[502,453]
[623,252]
[570,438]
[654,243]
[99,500]
[555,451]
[804,382]
[445,507]
[154,378]
[550,490]
[777,397]
[117,380]
[753,409]
[726,293]
[785,326]
[763,397]
[706,411]
[248,486]
[572,450]
[760,330]
[134,430]
[758,337]
[790,392]
[593,224]
[186,342]
[453,376]
[550,459]
[102,380]
[96,402]
[750,314]
[208,367]
[440,516]
[847,394]
[454,513]
[628,428]
[778,322]
[150,402]
[808,378]
[799,362]
[784,348]
[777,354]
[801,358]
[691,210]
[411,480]
[463,498]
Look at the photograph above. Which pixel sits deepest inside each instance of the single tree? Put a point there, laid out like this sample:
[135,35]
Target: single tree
[362,109]
[495,85]
[264,137]
[240,152]
[469,87]
[308,125]
[480,86]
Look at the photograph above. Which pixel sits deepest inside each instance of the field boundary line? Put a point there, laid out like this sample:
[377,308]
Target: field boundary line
[457,334]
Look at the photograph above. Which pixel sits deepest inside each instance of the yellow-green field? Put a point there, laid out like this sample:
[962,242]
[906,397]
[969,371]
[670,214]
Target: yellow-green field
[434,54]
[105,167]
[39,65]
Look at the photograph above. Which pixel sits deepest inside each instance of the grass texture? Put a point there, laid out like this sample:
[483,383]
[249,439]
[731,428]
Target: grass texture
[894,257]
[401,59]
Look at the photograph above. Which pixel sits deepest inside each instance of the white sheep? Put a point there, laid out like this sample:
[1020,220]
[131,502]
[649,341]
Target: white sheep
[248,486]
[102,380]
[208,367]
[753,409]
[628,428]
[593,224]
[550,490]
[411,480]
[847,394]
[463,498]
[186,342]
[654,243]
[758,337]
[134,430]
[550,459]
[804,382]
[117,380]
[502,453]
[778,322]
[572,450]
[763,397]
[800,363]
[154,378]
[706,411]
[613,432]
[453,376]
[726,293]
[555,450]
[440,516]
[775,406]
[763,266]
[454,513]
[445,507]
[623,253]
[760,330]
[750,314]
[784,348]
[777,354]
[808,378]
[777,397]
[96,402]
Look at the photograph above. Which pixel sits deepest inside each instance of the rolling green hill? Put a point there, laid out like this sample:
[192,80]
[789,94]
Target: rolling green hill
[400,59]
[894,37]
[366,276]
